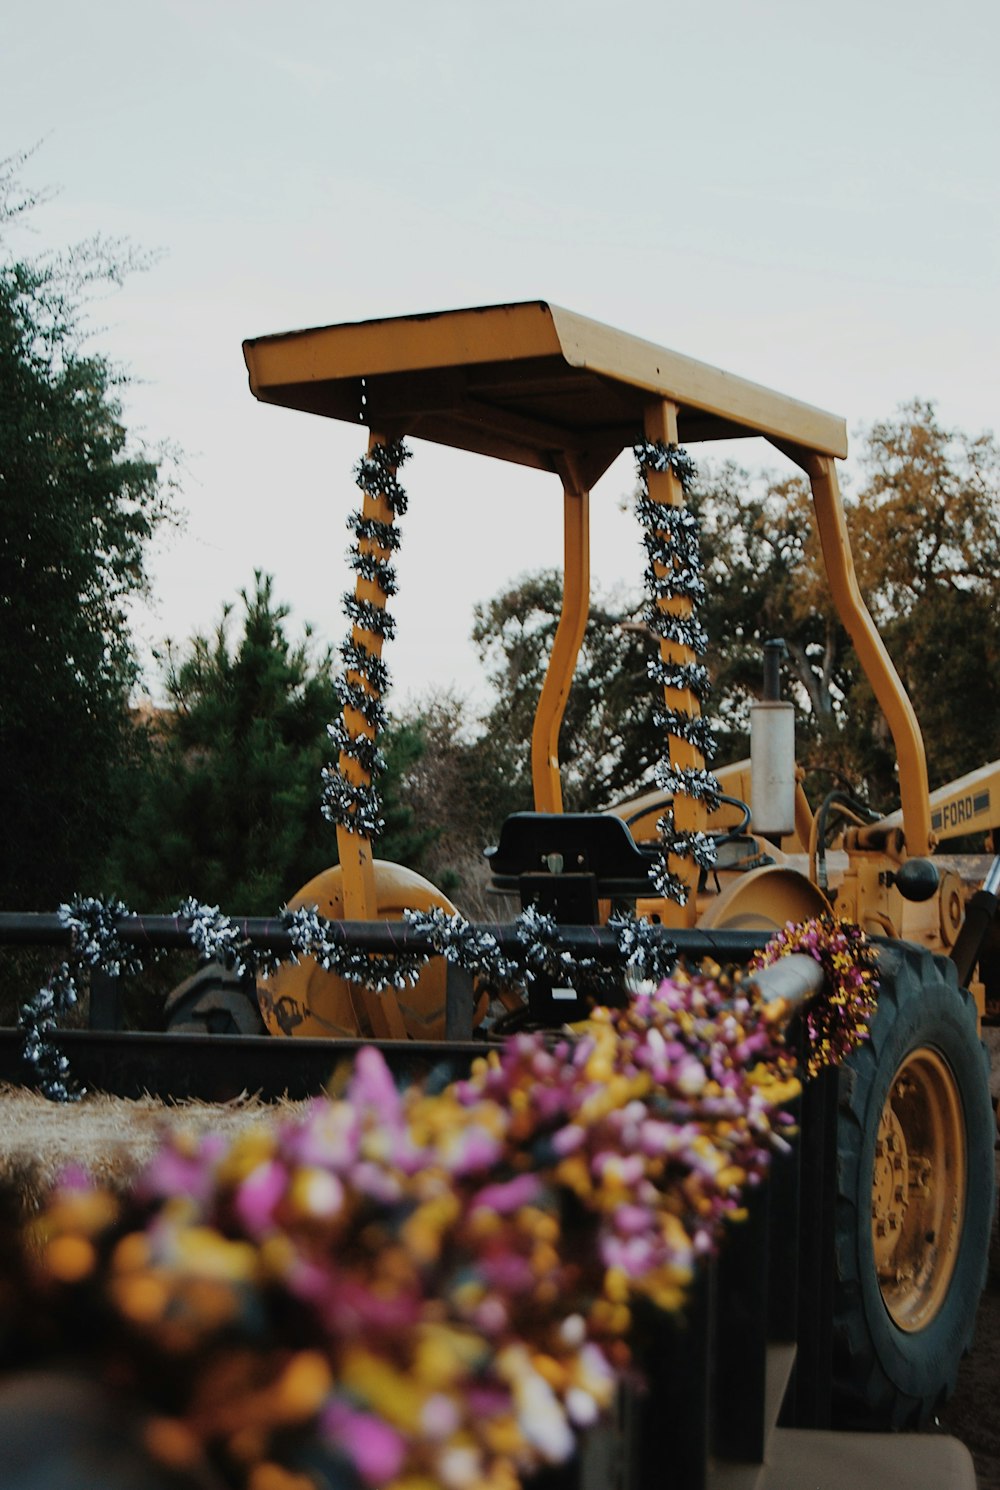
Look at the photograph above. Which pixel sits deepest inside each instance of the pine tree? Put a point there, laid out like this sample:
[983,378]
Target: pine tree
[229,808]
[78,506]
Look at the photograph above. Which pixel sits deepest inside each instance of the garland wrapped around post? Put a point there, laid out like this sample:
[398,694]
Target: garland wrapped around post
[350,798]
[96,946]
[675,586]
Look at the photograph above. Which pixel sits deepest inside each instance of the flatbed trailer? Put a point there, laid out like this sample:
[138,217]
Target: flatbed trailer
[736,1389]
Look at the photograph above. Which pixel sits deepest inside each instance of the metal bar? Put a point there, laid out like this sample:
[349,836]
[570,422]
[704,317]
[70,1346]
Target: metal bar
[784,1188]
[458,993]
[796,978]
[809,1403]
[40,928]
[355,849]
[217,1068]
[740,1336]
[105,1001]
[665,1422]
[980,913]
[565,651]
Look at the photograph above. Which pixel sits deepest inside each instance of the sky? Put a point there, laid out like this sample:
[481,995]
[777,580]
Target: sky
[804,195]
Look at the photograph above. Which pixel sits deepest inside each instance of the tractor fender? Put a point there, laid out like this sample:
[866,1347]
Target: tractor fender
[765,899]
[301,998]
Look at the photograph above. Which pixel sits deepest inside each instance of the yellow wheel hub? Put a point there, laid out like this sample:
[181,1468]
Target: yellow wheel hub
[918,1189]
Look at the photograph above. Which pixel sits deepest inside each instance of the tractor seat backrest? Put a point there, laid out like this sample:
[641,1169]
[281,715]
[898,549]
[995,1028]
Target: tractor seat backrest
[564,843]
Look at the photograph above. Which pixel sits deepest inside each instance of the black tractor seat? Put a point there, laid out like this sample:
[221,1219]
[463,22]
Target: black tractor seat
[572,845]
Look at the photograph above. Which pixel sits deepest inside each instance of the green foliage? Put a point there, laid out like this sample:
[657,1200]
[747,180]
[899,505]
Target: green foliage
[925,529]
[925,526]
[925,532]
[460,788]
[407,837]
[79,505]
[607,745]
[765,580]
[927,518]
[228,809]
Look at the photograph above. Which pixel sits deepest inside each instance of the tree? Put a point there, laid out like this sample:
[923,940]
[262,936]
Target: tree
[925,525]
[79,504]
[607,745]
[459,789]
[925,532]
[765,580]
[229,809]
[925,528]
[926,518]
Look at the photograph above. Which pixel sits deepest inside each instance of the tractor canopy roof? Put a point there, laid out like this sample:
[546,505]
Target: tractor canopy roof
[529,382]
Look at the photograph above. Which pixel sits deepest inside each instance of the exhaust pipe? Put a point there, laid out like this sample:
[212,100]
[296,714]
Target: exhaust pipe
[772,752]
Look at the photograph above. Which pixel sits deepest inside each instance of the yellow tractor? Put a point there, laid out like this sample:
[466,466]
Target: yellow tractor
[535,385]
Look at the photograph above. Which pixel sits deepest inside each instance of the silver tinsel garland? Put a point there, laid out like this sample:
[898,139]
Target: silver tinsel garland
[466,946]
[313,936]
[357,806]
[360,660]
[375,473]
[673,571]
[216,938]
[692,781]
[95,944]
[377,571]
[642,951]
[680,675]
[38,1020]
[646,953]
[368,755]
[373,530]
[355,696]
[369,617]
[695,729]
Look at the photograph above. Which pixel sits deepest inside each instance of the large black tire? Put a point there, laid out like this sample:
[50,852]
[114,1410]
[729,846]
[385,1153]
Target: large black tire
[214,1001]
[915,1196]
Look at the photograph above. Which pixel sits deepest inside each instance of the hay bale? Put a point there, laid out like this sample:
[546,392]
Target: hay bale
[110,1138]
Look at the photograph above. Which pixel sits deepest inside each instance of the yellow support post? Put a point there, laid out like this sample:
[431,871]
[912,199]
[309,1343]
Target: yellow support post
[875,660]
[355,849]
[690,815]
[565,650]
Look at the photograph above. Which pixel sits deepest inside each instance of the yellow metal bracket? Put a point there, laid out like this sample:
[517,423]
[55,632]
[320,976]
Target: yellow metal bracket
[565,650]
[875,660]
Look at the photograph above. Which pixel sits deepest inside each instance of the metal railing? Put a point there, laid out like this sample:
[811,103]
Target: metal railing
[753,1345]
